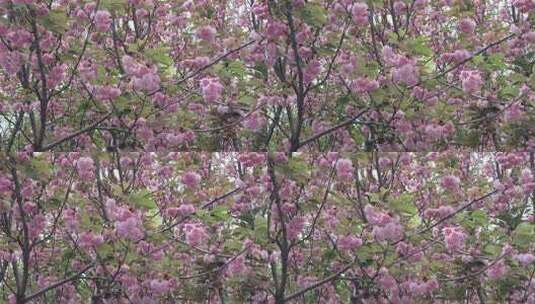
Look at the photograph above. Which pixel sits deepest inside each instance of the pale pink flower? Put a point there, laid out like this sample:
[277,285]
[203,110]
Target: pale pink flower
[191,179]
[102,21]
[207,33]
[359,12]
[467,25]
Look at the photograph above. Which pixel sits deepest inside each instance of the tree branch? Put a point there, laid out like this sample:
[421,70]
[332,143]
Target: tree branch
[58,284]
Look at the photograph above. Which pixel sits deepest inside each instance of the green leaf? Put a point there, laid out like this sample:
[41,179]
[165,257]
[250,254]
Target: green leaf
[313,14]
[142,198]
[260,229]
[37,169]
[418,46]
[404,204]
[261,70]
[296,169]
[114,5]
[524,235]
[479,217]
[236,68]
[159,55]
[56,21]
[508,91]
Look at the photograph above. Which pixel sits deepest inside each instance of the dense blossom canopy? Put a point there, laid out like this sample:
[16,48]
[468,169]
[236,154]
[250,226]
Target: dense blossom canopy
[268,151]
[317,75]
[441,227]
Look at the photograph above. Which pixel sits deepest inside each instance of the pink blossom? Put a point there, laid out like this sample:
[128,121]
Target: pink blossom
[349,242]
[295,227]
[10,61]
[514,112]
[211,89]
[454,237]
[467,25]
[451,183]
[311,71]
[159,286]
[107,92]
[129,228]
[344,169]
[406,74]
[5,184]
[186,209]
[20,38]
[195,235]
[471,81]
[497,271]
[254,122]
[237,267]
[365,85]
[399,7]
[525,258]
[359,12]
[102,21]
[530,36]
[90,240]
[85,166]
[275,29]
[22,2]
[56,75]
[87,71]
[207,33]
[191,179]
[439,213]
[149,82]
[391,231]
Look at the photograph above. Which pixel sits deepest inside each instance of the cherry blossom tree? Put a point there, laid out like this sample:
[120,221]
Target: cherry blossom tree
[391,75]
[318,151]
[440,227]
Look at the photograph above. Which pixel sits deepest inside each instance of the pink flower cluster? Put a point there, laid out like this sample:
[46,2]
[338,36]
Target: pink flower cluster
[311,71]
[211,89]
[294,227]
[359,13]
[406,74]
[5,184]
[10,61]
[525,259]
[56,75]
[107,92]
[385,227]
[102,21]
[143,77]
[344,169]
[160,287]
[275,29]
[457,56]
[207,33]
[365,85]
[420,288]
[471,81]
[237,267]
[454,237]
[527,180]
[191,179]
[128,226]
[467,26]
[349,243]
[84,167]
[195,234]
[497,271]
[451,183]
[90,240]
[439,213]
